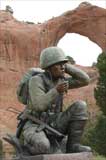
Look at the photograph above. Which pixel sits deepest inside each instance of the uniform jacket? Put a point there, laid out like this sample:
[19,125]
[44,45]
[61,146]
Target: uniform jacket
[41,98]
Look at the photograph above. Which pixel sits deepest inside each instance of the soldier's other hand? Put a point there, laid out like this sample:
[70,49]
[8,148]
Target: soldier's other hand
[62,87]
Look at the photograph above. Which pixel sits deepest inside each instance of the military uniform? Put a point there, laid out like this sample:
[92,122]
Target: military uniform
[45,103]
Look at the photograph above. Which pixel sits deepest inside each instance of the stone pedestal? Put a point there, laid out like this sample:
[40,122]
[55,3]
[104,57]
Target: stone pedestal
[73,156]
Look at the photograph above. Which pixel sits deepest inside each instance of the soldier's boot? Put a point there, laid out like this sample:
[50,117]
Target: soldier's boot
[74,137]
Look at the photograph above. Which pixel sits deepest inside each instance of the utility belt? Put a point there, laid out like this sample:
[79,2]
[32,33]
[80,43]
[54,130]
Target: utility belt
[45,117]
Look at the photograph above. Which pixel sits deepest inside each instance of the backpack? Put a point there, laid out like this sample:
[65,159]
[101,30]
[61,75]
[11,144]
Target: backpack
[22,89]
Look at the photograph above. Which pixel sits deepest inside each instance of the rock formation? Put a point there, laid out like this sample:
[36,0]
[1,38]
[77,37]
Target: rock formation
[21,44]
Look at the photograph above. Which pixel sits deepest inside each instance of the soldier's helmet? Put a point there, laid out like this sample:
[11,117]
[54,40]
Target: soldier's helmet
[50,56]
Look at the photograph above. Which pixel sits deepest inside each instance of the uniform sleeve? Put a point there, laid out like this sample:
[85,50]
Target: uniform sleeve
[39,98]
[78,78]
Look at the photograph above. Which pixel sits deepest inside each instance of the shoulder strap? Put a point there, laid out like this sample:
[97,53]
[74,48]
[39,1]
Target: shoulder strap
[59,100]
[45,81]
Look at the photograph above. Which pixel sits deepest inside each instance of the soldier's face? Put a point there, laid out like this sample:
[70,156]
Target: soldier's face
[58,70]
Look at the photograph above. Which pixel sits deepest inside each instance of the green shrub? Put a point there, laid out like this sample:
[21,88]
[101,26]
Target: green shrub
[95,135]
[99,158]
[100,90]
[1,148]
[98,134]
[71,60]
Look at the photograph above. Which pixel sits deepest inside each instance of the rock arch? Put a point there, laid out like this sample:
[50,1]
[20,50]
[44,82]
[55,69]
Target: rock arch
[21,43]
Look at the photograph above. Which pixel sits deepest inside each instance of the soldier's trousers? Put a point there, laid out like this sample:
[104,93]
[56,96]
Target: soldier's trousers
[38,141]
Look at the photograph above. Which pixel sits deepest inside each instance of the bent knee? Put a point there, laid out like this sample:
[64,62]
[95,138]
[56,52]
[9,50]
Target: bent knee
[79,108]
[80,105]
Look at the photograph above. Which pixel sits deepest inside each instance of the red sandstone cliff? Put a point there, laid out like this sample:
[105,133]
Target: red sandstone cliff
[21,43]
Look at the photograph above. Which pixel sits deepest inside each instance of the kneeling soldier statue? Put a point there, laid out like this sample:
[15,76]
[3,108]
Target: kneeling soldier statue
[45,102]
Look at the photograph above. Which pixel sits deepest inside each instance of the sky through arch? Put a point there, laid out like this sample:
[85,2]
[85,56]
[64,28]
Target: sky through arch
[74,45]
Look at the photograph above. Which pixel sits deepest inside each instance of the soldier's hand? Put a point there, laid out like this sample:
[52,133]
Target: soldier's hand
[62,87]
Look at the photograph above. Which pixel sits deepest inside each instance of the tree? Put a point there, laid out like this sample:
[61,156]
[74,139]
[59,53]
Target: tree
[96,135]
[71,60]
[100,90]
[1,148]
[99,132]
